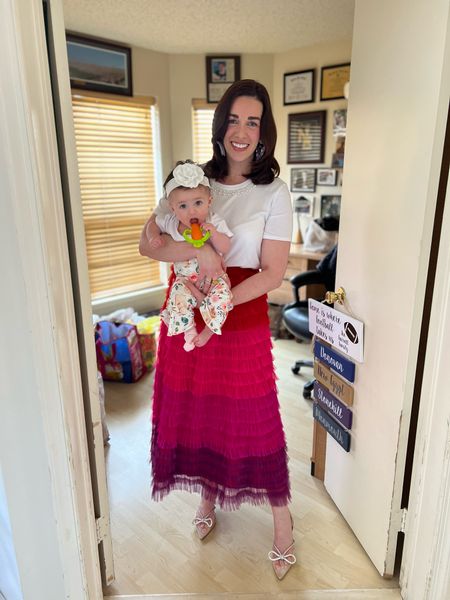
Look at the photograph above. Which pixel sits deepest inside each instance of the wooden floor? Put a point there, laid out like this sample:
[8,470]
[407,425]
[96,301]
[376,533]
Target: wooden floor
[157,552]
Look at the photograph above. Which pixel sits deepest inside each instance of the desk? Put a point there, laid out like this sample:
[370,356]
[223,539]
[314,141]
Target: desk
[299,260]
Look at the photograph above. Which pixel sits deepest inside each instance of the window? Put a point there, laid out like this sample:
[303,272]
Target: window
[202,116]
[116,163]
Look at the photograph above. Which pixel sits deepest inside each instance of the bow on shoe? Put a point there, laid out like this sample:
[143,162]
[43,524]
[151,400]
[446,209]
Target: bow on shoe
[203,521]
[275,555]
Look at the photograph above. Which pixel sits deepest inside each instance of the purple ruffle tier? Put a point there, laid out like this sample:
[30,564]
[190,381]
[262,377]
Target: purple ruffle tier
[216,421]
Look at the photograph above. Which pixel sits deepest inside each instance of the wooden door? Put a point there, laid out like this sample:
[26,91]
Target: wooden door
[396,123]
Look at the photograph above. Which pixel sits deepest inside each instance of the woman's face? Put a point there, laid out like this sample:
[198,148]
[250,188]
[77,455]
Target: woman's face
[243,132]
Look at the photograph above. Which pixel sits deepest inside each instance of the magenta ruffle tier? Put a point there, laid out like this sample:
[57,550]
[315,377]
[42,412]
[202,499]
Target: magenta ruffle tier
[216,420]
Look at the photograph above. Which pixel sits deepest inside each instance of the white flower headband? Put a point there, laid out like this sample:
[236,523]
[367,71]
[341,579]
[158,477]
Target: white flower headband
[186,175]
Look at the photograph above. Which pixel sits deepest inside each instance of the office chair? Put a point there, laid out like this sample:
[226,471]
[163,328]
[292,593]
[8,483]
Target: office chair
[295,314]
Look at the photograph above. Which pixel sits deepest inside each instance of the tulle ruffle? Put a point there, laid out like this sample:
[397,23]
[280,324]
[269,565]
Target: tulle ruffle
[228,483]
[216,420]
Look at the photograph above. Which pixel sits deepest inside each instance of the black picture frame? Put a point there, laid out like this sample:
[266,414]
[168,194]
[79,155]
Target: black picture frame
[306,137]
[332,81]
[303,179]
[326,177]
[299,87]
[330,206]
[99,65]
[221,71]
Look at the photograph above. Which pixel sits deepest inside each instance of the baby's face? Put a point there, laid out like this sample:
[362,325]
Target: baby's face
[190,204]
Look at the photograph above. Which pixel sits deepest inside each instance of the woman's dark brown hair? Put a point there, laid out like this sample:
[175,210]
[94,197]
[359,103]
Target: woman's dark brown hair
[266,168]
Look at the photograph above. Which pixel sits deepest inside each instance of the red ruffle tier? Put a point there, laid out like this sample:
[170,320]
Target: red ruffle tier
[216,420]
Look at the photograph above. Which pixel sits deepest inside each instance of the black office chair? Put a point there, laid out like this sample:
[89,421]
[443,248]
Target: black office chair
[295,314]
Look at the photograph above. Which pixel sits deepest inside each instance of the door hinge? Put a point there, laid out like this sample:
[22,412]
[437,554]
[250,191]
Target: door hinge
[102,527]
[403,517]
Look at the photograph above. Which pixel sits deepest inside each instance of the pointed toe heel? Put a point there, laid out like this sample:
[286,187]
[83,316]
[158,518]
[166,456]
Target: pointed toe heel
[282,561]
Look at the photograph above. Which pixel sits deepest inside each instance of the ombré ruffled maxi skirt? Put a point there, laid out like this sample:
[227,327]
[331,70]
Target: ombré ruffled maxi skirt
[216,421]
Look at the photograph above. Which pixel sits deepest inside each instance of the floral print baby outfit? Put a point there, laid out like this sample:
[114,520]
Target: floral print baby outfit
[179,312]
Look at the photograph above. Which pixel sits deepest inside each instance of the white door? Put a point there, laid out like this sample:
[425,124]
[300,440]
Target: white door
[396,124]
[82,299]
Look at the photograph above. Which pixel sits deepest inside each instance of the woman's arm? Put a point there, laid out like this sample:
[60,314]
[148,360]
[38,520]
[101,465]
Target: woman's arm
[209,262]
[274,259]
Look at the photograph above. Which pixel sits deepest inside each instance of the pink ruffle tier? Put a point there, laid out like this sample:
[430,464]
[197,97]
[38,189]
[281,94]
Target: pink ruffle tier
[216,421]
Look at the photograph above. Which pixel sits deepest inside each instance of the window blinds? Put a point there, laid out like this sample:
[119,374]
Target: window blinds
[114,139]
[202,116]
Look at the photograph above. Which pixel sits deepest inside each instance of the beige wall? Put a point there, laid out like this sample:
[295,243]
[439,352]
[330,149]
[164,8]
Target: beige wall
[315,57]
[188,80]
[175,79]
[151,78]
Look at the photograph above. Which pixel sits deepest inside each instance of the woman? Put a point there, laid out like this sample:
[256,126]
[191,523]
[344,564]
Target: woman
[216,422]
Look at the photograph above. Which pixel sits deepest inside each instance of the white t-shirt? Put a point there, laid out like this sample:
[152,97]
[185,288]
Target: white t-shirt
[253,213]
[168,223]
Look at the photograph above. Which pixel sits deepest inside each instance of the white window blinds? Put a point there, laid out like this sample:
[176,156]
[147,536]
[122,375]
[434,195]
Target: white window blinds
[202,117]
[114,139]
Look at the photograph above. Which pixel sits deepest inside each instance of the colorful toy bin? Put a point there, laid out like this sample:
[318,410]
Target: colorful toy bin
[119,354]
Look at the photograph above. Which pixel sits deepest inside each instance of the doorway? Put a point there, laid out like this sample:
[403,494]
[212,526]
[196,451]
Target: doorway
[349,263]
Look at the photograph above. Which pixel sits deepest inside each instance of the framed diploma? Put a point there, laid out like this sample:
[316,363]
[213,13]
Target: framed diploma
[299,87]
[332,82]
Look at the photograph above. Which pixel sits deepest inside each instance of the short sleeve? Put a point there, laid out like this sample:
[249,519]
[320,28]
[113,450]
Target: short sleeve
[279,220]
[163,221]
[221,225]
[169,224]
[162,208]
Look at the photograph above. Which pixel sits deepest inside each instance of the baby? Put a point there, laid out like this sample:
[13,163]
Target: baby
[189,197]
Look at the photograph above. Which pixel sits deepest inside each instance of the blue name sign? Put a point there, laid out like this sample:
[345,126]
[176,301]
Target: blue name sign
[332,405]
[334,429]
[337,363]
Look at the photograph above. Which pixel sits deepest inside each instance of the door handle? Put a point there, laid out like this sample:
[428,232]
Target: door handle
[332,297]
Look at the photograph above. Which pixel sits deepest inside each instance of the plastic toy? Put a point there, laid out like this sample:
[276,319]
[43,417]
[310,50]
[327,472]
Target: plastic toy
[195,235]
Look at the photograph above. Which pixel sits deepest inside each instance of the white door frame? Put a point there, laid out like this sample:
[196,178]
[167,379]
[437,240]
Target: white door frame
[44,455]
[425,572]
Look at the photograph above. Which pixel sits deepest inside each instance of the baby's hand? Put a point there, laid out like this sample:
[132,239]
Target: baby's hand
[209,227]
[156,242]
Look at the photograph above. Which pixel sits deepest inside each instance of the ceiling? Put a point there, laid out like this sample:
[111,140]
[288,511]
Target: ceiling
[199,26]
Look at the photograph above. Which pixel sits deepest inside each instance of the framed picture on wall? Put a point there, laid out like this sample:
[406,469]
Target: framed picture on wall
[330,206]
[98,65]
[299,87]
[306,137]
[221,72]
[332,81]
[303,180]
[340,122]
[304,205]
[326,177]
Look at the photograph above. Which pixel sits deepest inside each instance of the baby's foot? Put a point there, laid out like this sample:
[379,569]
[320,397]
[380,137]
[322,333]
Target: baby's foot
[203,337]
[189,339]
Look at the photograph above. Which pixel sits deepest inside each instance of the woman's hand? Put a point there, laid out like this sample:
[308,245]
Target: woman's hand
[210,264]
